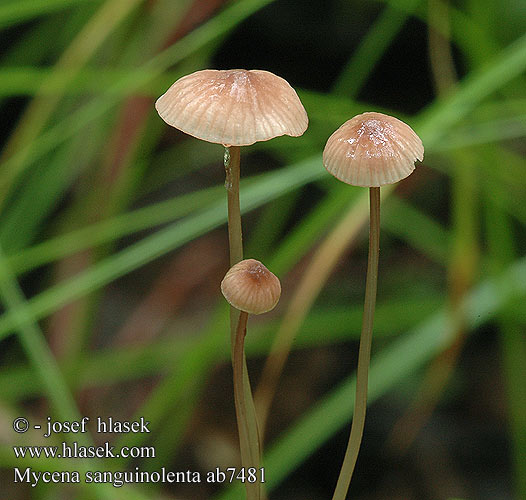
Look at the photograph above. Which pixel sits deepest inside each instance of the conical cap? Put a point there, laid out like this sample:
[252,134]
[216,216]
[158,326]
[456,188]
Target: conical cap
[233,107]
[249,286]
[372,149]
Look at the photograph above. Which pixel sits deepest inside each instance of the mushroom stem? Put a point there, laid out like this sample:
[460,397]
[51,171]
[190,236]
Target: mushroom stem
[248,460]
[364,355]
[235,238]
[232,170]
[246,420]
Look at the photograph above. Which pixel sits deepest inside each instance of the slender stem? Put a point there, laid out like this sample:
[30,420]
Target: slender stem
[232,170]
[246,415]
[239,348]
[248,460]
[235,238]
[364,355]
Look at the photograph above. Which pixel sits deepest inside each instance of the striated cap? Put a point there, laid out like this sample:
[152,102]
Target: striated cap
[372,149]
[233,107]
[249,286]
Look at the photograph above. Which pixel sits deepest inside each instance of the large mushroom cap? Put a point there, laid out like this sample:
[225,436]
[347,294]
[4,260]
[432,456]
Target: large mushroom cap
[372,149]
[249,286]
[233,107]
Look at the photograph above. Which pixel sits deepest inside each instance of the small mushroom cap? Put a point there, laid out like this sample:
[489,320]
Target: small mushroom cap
[233,107]
[249,286]
[372,149]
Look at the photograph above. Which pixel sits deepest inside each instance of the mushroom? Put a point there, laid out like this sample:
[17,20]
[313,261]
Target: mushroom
[250,287]
[369,150]
[372,150]
[235,108]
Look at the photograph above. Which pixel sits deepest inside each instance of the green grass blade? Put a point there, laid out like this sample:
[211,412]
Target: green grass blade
[41,192]
[74,124]
[270,186]
[420,231]
[126,363]
[486,132]
[112,229]
[311,228]
[36,347]
[37,114]
[443,114]
[372,47]
[502,251]
[513,348]
[17,11]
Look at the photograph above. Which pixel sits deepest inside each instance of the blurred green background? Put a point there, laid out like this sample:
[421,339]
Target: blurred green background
[113,244]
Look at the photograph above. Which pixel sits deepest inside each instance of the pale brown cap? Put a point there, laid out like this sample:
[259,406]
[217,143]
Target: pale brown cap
[233,107]
[372,149]
[249,286]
